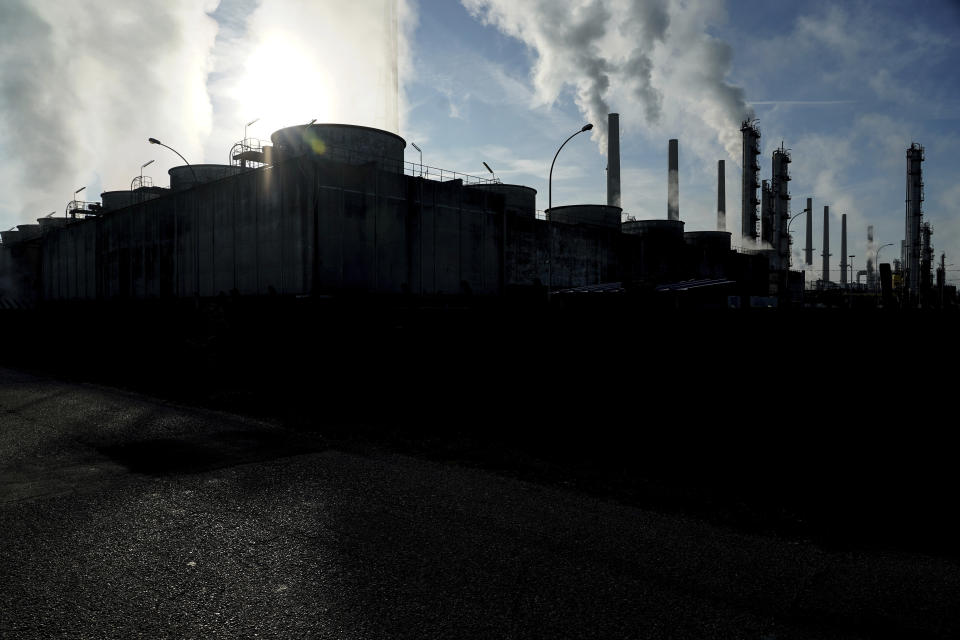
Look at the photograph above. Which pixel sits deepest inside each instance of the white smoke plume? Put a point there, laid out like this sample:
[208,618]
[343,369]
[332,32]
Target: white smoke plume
[83,84]
[654,60]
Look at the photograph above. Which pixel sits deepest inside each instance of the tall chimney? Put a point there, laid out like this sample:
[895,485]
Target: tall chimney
[843,249]
[809,247]
[613,159]
[721,197]
[673,182]
[826,244]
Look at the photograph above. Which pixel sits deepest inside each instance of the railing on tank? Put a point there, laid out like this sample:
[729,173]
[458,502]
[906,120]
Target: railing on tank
[137,185]
[349,155]
[140,182]
[245,153]
[78,207]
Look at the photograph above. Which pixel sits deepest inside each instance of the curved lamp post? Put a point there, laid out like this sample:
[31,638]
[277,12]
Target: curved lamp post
[420,151]
[876,256]
[196,181]
[585,127]
[790,238]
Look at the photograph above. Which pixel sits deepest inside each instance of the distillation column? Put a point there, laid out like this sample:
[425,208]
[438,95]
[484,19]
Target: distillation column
[750,184]
[809,248]
[781,205]
[912,239]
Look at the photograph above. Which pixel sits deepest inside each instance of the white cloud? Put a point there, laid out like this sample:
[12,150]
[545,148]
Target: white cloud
[84,84]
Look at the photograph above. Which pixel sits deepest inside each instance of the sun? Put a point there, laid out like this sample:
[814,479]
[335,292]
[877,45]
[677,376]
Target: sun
[283,84]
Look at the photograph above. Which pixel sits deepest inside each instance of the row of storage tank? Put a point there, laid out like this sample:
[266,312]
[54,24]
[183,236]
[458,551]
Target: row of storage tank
[662,241]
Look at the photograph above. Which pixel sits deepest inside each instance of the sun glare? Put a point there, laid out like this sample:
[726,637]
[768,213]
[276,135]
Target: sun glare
[284,85]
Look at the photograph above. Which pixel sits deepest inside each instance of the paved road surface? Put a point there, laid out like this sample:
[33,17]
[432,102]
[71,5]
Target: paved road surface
[123,516]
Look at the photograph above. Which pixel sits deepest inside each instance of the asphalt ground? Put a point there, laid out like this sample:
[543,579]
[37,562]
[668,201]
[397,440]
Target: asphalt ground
[125,515]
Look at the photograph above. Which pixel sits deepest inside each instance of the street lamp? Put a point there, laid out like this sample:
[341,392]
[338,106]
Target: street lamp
[585,127]
[491,171]
[790,238]
[420,151]
[877,254]
[196,181]
[141,171]
[245,129]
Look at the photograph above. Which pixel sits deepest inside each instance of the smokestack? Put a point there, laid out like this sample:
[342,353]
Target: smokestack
[673,184]
[843,249]
[826,244]
[871,257]
[809,248]
[721,197]
[613,159]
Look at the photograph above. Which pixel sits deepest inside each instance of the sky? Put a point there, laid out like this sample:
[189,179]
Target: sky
[845,86]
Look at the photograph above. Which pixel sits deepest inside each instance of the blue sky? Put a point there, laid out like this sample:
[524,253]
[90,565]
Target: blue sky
[846,86]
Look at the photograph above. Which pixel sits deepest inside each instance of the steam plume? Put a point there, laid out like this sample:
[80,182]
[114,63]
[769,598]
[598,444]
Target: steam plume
[649,54]
[83,81]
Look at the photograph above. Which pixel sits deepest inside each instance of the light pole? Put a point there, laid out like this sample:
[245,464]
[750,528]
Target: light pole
[877,254]
[141,171]
[585,127]
[491,171]
[790,238]
[420,151]
[155,141]
[245,130]
[851,268]
[786,278]
[74,201]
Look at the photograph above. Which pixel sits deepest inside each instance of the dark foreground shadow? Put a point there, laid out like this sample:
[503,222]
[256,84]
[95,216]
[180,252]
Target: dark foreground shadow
[200,453]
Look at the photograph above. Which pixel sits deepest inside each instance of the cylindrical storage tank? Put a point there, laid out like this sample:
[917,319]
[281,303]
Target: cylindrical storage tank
[597,215]
[714,241]
[9,237]
[190,175]
[709,253]
[670,231]
[47,224]
[116,199]
[519,200]
[347,143]
[28,231]
[658,256]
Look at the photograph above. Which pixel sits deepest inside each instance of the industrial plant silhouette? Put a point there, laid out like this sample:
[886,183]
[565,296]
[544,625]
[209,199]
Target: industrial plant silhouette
[323,282]
[334,209]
